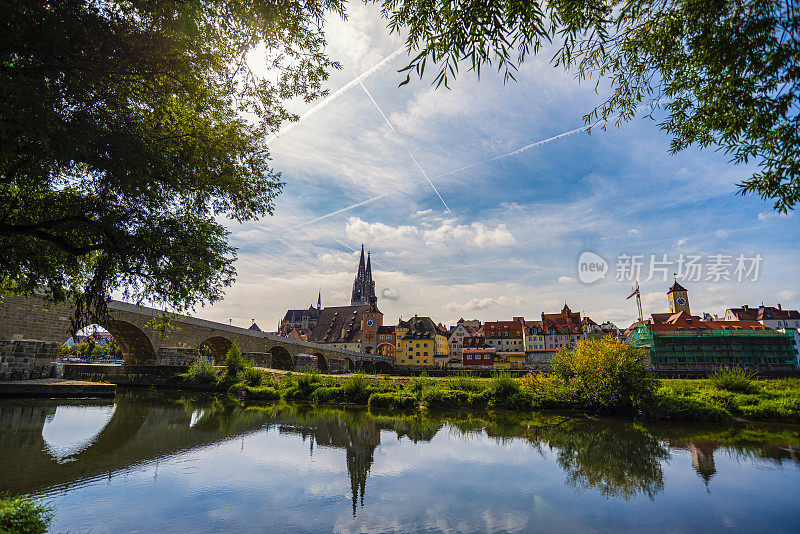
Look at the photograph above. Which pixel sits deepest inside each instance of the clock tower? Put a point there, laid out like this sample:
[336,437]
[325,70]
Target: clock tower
[371,320]
[678,298]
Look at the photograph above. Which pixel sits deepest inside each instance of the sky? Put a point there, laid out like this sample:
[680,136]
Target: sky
[415,174]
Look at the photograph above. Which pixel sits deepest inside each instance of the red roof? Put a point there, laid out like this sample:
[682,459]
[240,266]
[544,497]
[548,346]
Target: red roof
[682,321]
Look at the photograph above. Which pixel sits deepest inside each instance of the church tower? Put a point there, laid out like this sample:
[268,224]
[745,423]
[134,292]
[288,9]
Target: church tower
[363,286]
[678,298]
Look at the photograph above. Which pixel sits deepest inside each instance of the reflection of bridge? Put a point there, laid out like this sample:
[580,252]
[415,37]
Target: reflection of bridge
[31,318]
[142,430]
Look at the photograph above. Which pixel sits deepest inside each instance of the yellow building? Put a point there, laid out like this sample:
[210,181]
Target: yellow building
[509,360]
[534,336]
[417,342]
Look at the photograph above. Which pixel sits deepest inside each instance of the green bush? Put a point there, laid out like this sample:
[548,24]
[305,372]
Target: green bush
[234,362]
[395,400]
[326,394]
[666,404]
[356,389]
[442,399]
[301,386]
[265,393]
[605,374]
[465,383]
[419,383]
[737,380]
[23,515]
[252,376]
[201,371]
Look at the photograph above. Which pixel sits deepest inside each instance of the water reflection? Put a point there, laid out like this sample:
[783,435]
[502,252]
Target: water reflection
[517,468]
[70,429]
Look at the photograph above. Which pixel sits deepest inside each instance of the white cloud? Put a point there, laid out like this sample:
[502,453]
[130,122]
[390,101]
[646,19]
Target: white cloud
[786,294]
[476,233]
[390,294]
[422,213]
[721,234]
[635,231]
[364,232]
[565,280]
[483,303]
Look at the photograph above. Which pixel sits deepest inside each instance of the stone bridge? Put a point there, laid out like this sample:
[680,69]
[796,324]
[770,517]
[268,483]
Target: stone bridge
[30,327]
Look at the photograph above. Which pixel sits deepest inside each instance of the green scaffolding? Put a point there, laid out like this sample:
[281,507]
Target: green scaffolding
[717,347]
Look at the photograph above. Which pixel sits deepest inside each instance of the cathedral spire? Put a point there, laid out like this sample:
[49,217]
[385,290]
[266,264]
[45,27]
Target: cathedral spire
[363,285]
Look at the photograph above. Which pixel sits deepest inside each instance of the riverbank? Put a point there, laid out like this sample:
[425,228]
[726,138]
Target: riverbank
[672,399]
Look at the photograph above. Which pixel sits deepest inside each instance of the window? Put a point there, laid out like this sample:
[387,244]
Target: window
[469,356]
[418,352]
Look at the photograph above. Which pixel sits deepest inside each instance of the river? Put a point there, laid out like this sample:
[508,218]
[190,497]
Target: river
[168,462]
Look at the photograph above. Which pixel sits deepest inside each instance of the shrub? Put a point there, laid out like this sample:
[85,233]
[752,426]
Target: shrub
[326,394]
[419,383]
[441,398]
[356,389]
[465,383]
[395,400]
[302,386]
[266,393]
[252,376]
[737,380]
[201,371]
[234,362]
[606,374]
[23,515]
[666,404]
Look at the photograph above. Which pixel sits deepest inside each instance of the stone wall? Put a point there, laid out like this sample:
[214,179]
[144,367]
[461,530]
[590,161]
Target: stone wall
[29,360]
[305,362]
[124,375]
[261,359]
[179,356]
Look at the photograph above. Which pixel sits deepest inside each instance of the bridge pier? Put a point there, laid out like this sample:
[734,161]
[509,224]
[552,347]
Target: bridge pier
[29,360]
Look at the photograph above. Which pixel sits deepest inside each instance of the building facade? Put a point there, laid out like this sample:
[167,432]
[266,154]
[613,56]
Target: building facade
[562,330]
[386,340]
[686,341]
[505,336]
[416,342]
[476,353]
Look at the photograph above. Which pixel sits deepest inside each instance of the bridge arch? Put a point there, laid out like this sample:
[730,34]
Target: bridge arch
[219,347]
[351,365]
[136,347]
[281,359]
[322,363]
[383,367]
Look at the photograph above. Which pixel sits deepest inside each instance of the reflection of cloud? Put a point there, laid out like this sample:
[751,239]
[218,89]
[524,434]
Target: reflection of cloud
[73,428]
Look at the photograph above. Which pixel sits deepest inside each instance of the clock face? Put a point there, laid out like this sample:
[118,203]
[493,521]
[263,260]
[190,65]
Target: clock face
[369,322]
[681,301]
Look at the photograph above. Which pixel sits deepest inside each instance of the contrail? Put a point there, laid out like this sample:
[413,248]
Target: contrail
[512,153]
[425,174]
[401,189]
[456,267]
[339,92]
[524,148]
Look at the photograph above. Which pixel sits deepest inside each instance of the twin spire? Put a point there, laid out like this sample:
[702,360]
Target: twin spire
[363,286]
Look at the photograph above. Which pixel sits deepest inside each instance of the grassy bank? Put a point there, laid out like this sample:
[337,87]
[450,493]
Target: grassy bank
[599,377]
[22,515]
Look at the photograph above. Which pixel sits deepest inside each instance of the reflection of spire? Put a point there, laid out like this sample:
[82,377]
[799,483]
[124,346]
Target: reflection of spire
[359,461]
[703,459]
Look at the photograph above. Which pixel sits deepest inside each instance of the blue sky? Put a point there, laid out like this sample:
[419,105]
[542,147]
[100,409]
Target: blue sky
[510,244]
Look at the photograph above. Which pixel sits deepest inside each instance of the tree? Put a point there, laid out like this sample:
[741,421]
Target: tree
[123,142]
[727,72]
